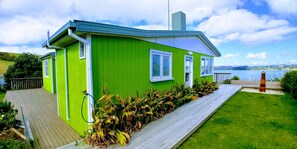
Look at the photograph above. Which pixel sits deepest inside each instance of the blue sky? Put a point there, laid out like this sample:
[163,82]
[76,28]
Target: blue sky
[247,32]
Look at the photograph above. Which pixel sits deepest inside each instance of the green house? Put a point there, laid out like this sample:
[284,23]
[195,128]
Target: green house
[90,56]
[48,72]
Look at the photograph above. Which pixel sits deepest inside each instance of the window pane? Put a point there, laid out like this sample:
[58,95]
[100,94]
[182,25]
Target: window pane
[82,50]
[165,65]
[187,65]
[46,67]
[210,66]
[203,66]
[156,65]
[206,66]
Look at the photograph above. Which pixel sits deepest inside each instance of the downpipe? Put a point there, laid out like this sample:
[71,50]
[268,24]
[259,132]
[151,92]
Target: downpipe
[48,46]
[89,91]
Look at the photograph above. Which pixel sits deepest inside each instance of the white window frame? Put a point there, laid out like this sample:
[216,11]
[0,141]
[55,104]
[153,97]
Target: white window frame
[46,69]
[191,69]
[84,45]
[210,67]
[161,77]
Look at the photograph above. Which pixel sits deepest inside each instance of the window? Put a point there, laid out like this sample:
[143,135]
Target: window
[160,66]
[46,68]
[206,66]
[82,50]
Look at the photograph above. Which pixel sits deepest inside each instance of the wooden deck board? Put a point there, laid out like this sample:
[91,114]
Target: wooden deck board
[175,127]
[40,108]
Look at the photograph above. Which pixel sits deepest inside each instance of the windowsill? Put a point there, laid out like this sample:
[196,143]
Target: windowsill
[162,79]
[205,75]
[46,76]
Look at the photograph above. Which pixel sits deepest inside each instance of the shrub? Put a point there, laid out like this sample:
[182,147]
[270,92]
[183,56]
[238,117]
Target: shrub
[116,118]
[227,81]
[26,65]
[289,83]
[7,116]
[13,143]
[235,78]
[204,87]
[6,56]
[275,79]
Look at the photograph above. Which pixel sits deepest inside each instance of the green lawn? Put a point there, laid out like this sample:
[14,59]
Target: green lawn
[4,66]
[250,120]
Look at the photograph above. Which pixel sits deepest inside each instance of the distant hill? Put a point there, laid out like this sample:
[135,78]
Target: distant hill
[6,59]
[267,67]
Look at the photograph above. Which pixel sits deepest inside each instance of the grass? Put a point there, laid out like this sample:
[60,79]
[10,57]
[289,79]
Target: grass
[2,95]
[250,120]
[4,66]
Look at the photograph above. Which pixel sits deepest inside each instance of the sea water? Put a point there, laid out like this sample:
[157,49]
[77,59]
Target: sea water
[254,75]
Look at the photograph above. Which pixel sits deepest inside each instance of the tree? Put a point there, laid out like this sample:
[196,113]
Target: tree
[26,66]
[6,56]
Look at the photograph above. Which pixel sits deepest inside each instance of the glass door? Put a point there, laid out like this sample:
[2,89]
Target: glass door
[188,71]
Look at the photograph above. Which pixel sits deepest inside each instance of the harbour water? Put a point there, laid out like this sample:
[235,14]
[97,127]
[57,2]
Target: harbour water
[254,75]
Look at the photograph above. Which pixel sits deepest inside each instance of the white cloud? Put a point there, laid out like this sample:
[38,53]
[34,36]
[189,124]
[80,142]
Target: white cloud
[22,49]
[27,29]
[283,7]
[24,22]
[152,27]
[125,12]
[259,63]
[260,55]
[293,61]
[230,55]
[273,34]
[245,26]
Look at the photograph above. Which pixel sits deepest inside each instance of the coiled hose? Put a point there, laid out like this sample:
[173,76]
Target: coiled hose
[82,105]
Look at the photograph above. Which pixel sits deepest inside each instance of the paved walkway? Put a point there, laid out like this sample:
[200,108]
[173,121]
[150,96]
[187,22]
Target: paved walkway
[177,126]
[40,107]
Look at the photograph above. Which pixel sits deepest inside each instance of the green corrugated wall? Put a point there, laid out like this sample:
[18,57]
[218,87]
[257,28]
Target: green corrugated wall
[76,84]
[123,64]
[47,81]
[61,88]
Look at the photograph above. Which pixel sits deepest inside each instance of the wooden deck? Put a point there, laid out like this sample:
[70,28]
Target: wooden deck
[40,108]
[176,127]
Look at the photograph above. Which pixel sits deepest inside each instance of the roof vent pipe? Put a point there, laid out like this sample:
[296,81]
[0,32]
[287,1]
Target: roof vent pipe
[179,21]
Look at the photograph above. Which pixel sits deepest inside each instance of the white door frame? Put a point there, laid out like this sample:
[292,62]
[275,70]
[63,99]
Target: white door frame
[191,69]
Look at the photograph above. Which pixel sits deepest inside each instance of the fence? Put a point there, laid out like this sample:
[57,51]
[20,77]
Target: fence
[220,77]
[256,84]
[25,83]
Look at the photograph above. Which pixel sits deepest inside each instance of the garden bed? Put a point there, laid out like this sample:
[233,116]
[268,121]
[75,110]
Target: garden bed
[11,131]
[117,118]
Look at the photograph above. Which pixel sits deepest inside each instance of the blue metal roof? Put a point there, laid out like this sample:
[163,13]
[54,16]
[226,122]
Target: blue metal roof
[92,27]
[50,54]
